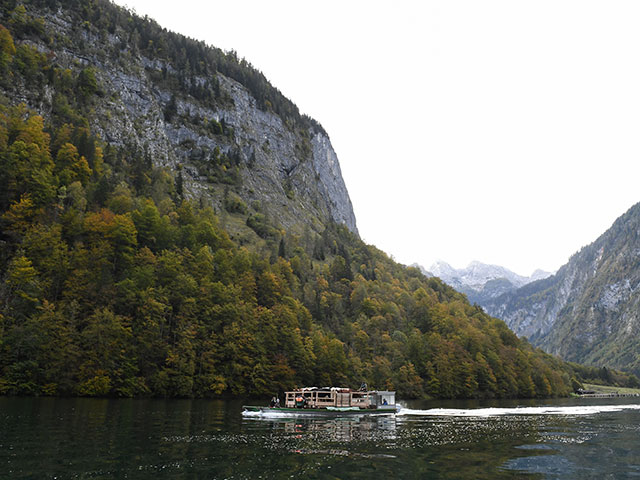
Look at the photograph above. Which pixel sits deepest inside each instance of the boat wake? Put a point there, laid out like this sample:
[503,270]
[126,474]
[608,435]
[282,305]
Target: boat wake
[265,414]
[476,412]
[496,412]
[279,414]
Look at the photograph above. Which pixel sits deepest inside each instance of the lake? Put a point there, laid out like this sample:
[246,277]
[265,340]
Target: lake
[191,439]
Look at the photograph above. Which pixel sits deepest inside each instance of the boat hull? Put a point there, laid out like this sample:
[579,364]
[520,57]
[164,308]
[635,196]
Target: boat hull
[313,412]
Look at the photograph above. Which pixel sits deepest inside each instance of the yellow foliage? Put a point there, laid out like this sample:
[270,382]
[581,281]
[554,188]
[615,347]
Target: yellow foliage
[6,42]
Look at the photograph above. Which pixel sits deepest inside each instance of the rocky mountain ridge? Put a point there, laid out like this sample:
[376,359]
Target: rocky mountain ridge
[479,281]
[214,131]
[589,310]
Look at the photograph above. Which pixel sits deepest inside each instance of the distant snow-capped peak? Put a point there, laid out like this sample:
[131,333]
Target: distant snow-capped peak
[477,274]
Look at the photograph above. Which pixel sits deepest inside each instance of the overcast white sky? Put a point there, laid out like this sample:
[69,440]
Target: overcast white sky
[501,131]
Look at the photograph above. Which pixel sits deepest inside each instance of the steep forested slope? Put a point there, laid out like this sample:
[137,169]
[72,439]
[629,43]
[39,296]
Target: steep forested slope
[117,279]
[588,311]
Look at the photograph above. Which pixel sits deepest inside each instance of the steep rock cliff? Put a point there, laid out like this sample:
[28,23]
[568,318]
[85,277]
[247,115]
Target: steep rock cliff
[206,127]
[589,310]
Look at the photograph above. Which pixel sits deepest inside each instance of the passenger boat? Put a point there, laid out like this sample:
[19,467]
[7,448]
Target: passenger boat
[331,401]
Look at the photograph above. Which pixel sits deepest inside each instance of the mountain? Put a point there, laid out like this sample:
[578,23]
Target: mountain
[589,310]
[481,282]
[173,227]
[238,143]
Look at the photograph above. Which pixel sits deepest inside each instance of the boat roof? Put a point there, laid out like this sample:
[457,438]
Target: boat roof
[341,389]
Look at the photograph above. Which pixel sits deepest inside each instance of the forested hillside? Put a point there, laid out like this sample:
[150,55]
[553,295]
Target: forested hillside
[115,282]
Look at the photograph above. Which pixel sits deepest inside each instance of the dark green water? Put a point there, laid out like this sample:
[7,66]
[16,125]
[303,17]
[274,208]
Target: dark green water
[86,438]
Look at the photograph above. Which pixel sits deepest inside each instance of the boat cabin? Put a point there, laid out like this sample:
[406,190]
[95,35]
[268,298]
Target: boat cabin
[336,397]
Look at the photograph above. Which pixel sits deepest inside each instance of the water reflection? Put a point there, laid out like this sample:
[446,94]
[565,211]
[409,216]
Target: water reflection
[341,429]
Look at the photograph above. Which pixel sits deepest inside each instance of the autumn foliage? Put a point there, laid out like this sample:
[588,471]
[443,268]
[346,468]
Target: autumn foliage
[123,294]
[113,283]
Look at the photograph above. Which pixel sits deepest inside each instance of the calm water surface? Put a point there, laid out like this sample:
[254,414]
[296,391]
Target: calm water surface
[192,439]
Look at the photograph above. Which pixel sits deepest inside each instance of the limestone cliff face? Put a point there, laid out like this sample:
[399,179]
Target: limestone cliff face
[590,310]
[327,167]
[285,171]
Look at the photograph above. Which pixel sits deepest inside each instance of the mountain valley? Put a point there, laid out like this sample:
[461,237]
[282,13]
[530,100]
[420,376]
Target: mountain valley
[172,226]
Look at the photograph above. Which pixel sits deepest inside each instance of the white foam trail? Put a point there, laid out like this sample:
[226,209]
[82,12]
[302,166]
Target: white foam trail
[279,414]
[246,413]
[265,414]
[495,412]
